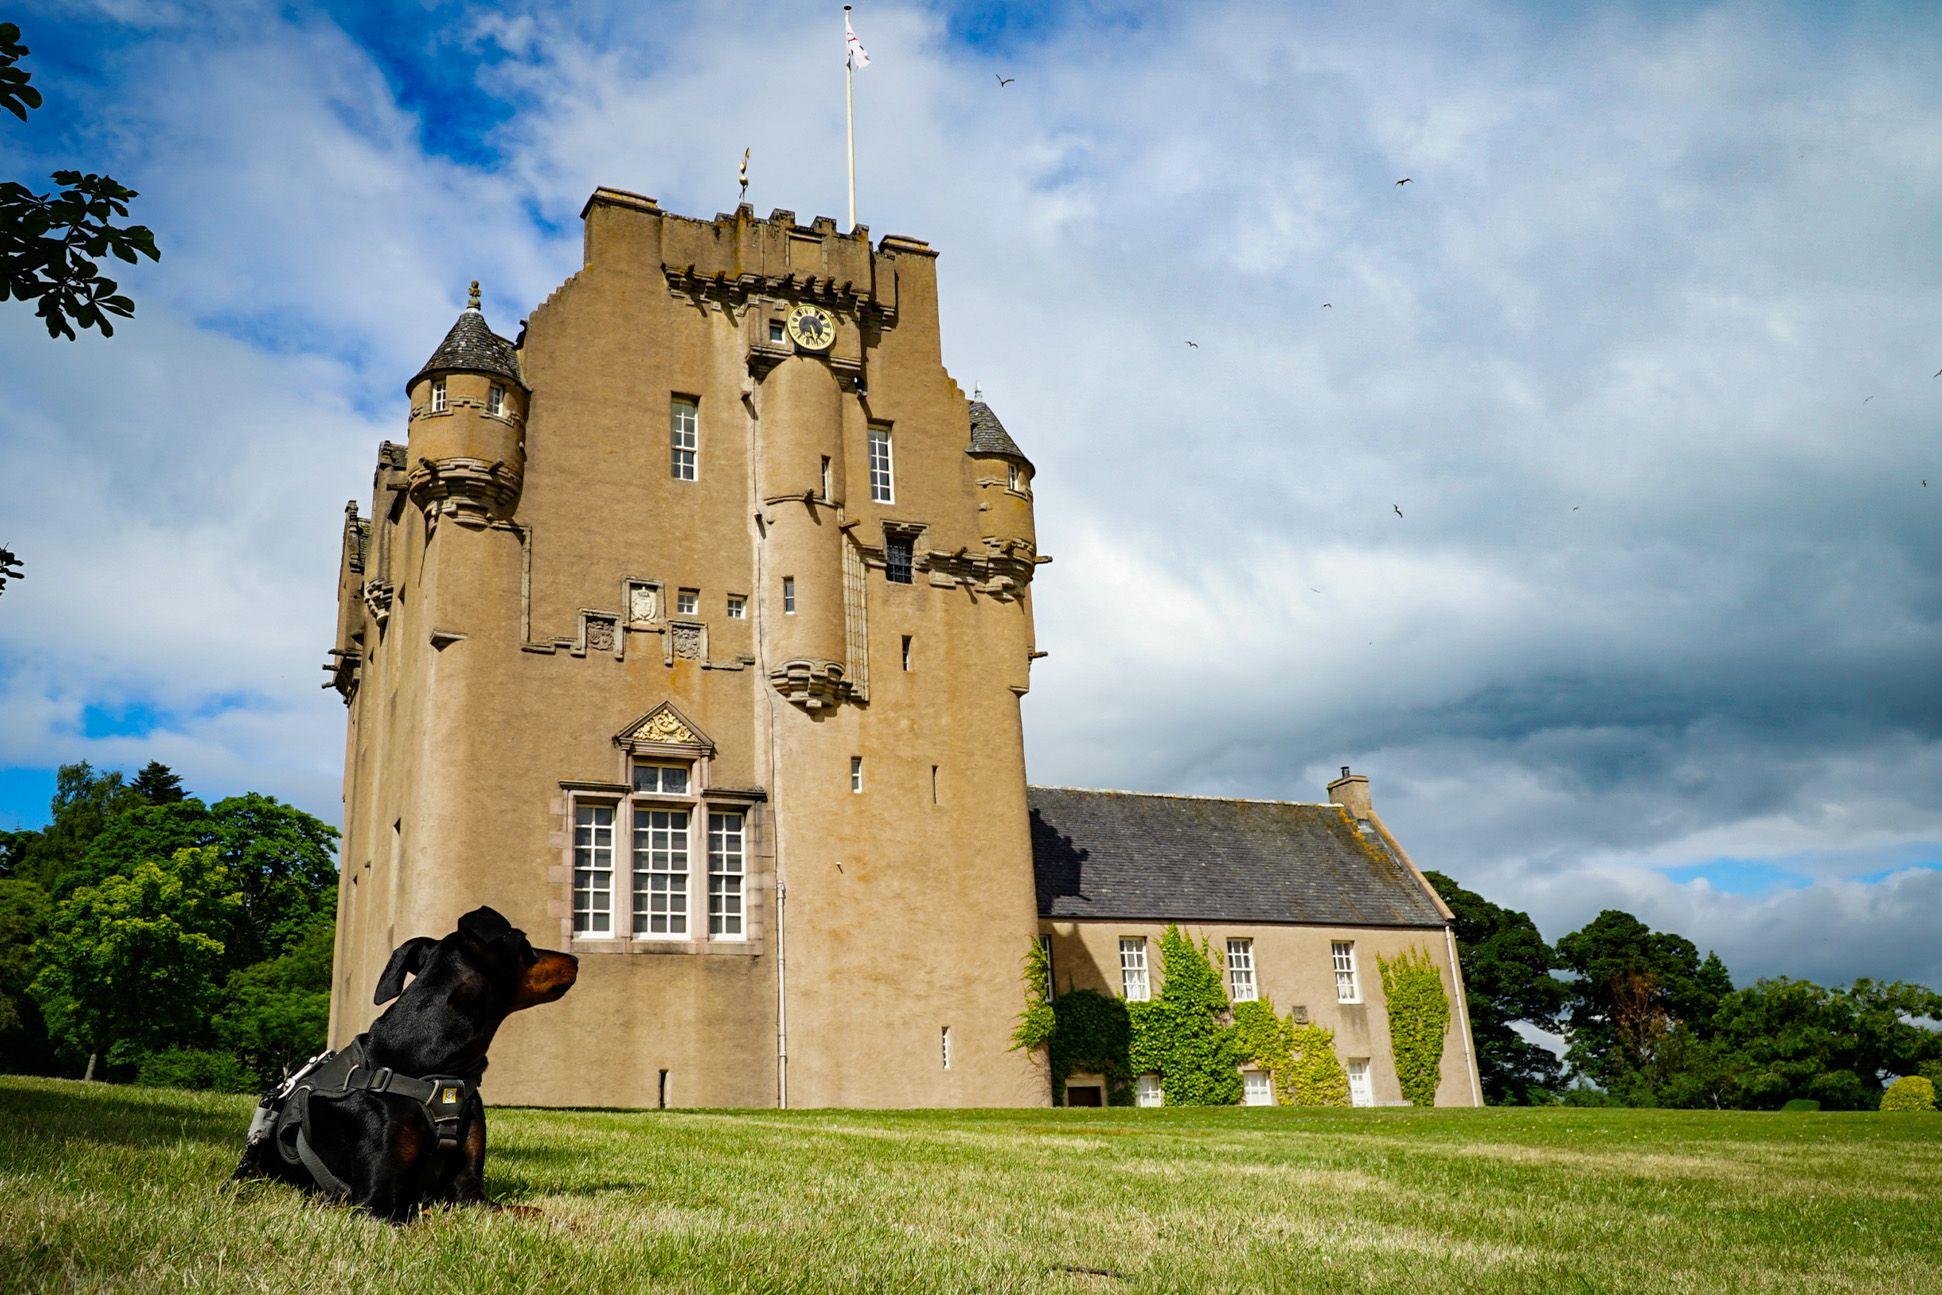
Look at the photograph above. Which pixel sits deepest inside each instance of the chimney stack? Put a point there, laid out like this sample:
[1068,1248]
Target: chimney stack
[1351,792]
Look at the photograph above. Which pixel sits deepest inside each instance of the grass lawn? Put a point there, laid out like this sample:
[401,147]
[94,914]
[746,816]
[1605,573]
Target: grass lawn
[116,1189]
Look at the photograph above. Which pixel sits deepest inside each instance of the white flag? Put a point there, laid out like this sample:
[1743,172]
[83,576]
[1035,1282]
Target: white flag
[858,56]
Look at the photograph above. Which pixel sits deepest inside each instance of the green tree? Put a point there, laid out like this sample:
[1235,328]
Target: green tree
[85,802]
[1507,980]
[280,859]
[52,243]
[23,1035]
[10,568]
[133,962]
[157,784]
[1636,989]
[1909,1093]
[275,1013]
[1184,1033]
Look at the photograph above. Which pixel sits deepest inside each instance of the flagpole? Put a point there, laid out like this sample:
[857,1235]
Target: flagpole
[849,114]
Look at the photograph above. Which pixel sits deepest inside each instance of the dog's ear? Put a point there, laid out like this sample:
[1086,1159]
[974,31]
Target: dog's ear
[406,959]
[485,925]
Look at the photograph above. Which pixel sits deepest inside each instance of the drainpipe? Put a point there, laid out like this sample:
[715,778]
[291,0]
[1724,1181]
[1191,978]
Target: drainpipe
[761,530]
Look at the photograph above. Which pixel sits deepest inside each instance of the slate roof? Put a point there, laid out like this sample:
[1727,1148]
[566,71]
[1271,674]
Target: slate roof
[1137,857]
[988,435]
[471,347]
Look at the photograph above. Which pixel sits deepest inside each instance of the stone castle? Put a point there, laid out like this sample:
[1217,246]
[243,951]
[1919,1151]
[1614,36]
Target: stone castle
[690,629]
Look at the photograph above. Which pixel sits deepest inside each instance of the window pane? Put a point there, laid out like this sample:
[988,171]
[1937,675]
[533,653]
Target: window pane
[1132,969]
[593,870]
[897,558]
[1343,954]
[660,872]
[880,473]
[1150,1091]
[661,779]
[725,870]
[683,440]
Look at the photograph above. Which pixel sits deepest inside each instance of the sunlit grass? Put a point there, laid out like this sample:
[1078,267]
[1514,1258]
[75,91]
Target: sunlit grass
[118,1189]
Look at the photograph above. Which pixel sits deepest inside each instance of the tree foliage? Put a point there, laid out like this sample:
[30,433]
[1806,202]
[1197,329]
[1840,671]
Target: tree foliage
[100,914]
[52,243]
[134,961]
[1093,1034]
[1507,980]
[1419,1014]
[1640,1002]
[1038,1021]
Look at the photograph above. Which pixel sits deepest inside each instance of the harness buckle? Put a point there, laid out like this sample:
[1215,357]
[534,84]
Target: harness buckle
[380,1080]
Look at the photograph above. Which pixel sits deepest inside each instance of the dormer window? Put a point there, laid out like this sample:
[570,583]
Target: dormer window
[438,395]
[496,404]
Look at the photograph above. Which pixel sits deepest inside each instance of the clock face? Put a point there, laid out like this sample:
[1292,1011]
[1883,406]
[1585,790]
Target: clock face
[812,328]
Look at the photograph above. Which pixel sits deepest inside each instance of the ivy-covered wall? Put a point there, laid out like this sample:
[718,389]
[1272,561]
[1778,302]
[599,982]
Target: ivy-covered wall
[1419,1013]
[1189,1034]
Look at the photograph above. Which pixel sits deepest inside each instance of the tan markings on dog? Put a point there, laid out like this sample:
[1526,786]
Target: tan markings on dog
[548,978]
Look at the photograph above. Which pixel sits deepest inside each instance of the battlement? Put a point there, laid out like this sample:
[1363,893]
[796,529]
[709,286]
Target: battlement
[742,254]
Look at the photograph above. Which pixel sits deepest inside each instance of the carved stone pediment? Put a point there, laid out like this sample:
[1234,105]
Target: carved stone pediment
[662,729]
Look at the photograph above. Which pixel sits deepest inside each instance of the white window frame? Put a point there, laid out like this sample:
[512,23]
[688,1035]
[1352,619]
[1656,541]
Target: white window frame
[496,400]
[883,471]
[1348,985]
[1135,974]
[1149,1090]
[1011,476]
[944,1042]
[1257,1088]
[440,404]
[727,874]
[687,602]
[1361,1090]
[684,438]
[1241,987]
[788,595]
[587,849]
[738,607]
[856,775]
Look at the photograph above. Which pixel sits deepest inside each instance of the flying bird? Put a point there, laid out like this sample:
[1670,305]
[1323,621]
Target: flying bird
[1938,373]
[1004,81]
[1405,180]
[1866,399]
[1398,508]
[1195,345]
[1328,305]
[1574,508]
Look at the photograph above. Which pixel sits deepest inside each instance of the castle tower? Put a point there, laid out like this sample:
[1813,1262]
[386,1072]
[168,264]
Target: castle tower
[690,631]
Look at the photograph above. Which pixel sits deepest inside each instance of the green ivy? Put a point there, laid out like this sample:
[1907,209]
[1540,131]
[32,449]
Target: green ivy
[1038,1021]
[1300,1057]
[1184,1034]
[1092,1034]
[1419,1013]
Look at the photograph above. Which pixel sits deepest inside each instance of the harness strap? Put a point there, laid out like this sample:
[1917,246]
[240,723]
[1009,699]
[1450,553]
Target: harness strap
[285,1114]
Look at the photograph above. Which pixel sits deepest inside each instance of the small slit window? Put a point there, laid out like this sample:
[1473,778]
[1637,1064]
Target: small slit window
[788,595]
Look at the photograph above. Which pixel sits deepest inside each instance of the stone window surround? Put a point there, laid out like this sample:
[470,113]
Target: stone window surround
[757,876]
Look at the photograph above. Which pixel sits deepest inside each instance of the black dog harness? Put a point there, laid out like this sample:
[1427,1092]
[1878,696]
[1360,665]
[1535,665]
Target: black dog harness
[284,1115]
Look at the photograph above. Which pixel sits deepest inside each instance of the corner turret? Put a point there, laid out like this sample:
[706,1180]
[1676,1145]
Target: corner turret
[1004,482]
[467,454]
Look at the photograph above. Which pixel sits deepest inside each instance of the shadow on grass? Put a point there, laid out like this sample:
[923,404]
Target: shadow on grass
[99,1114]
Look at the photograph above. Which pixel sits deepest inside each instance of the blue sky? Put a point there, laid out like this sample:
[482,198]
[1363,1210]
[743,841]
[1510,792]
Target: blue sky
[1642,355]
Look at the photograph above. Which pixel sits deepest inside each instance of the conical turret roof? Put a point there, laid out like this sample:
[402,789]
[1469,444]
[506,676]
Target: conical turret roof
[988,435]
[471,347]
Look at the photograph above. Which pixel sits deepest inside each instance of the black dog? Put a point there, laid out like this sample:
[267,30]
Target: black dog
[393,1121]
